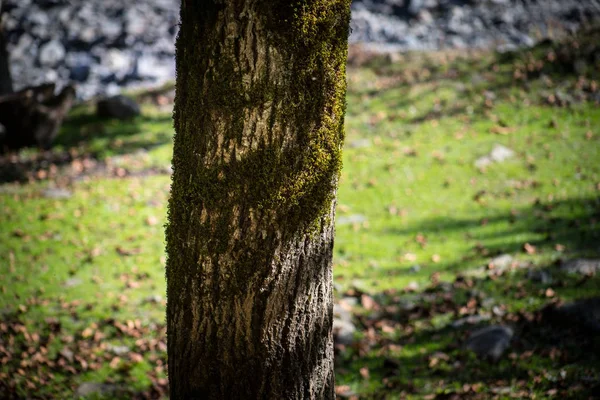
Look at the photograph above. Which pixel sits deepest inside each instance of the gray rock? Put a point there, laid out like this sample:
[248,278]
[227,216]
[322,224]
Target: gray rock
[470,320]
[341,313]
[73,282]
[343,331]
[540,275]
[119,107]
[414,269]
[93,388]
[350,219]
[490,342]
[360,143]
[118,350]
[153,299]
[581,266]
[57,193]
[52,53]
[498,154]
[584,312]
[501,153]
[502,262]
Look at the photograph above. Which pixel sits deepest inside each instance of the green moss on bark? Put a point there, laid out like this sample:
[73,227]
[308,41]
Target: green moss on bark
[259,119]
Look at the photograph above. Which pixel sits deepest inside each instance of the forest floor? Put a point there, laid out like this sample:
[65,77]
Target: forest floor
[470,197]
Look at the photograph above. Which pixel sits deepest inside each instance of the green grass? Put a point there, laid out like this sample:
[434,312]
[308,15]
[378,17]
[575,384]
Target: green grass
[79,274]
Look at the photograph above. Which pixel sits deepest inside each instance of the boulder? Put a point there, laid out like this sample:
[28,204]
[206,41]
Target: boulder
[120,107]
[490,342]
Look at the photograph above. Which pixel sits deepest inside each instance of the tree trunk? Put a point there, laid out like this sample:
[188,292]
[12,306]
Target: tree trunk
[6,85]
[259,117]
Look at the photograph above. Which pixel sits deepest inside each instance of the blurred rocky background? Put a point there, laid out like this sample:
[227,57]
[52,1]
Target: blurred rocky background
[105,45]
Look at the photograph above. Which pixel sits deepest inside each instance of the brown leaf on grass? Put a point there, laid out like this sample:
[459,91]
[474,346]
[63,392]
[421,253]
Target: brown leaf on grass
[114,363]
[342,390]
[364,372]
[529,248]
[128,252]
[501,130]
[368,303]
[87,332]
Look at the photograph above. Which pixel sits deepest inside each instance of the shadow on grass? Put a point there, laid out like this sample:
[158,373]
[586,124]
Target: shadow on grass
[572,223]
[84,136]
[81,130]
[546,355]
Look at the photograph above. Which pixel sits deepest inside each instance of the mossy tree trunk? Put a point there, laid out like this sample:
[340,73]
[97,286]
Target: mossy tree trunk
[259,117]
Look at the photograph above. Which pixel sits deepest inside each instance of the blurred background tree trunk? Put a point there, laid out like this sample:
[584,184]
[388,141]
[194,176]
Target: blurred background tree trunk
[5,78]
[259,119]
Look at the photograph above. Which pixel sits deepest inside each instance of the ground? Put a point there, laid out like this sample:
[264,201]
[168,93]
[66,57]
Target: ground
[435,222]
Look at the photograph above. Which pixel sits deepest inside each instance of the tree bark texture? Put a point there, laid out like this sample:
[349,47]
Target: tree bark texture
[259,117]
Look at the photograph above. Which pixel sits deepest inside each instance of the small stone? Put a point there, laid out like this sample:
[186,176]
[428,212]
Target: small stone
[153,299]
[351,219]
[118,350]
[584,313]
[341,313]
[358,144]
[414,269]
[470,320]
[542,276]
[92,388]
[67,354]
[343,331]
[501,153]
[483,162]
[490,342]
[73,282]
[502,261]
[120,107]
[57,193]
[52,53]
[581,266]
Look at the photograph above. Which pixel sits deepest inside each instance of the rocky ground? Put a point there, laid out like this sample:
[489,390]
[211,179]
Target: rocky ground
[105,45]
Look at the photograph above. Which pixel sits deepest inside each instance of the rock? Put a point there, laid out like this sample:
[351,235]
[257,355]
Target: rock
[52,53]
[67,354]
[501,153]
[343,331]
[498,154]
[490,342]
[470,320]
[584,313]
[581,266]
[540,275]
[351,219]
[153,299]
[483,162]
[502,262]
[73,282]
[57,193]
[92,388]
[118,350]
[349,302]
[414,269]
[341,313]
[119,107]
[358,144]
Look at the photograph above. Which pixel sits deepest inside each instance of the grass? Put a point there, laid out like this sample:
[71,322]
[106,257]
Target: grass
[84,275]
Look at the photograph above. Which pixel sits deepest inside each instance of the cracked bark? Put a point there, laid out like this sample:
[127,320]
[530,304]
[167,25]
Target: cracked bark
[259,128]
